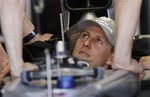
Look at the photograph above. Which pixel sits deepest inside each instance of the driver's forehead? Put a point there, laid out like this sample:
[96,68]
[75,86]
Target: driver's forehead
[95,32]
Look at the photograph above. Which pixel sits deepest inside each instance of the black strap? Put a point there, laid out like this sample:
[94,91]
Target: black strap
[30,36]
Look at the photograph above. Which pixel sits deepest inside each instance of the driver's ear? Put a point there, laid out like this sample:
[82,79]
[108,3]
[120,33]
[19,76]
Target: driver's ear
[109,62]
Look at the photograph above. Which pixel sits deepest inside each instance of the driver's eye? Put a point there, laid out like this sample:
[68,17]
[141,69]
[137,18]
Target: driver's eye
[84,35]
[99,40]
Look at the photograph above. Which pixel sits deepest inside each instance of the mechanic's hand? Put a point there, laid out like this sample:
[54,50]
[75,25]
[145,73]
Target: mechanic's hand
[30,66]
[134,67]
[145,61]
[40,37]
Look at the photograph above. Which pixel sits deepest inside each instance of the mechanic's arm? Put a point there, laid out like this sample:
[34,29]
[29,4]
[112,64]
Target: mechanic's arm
[126,17]
[4,67]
